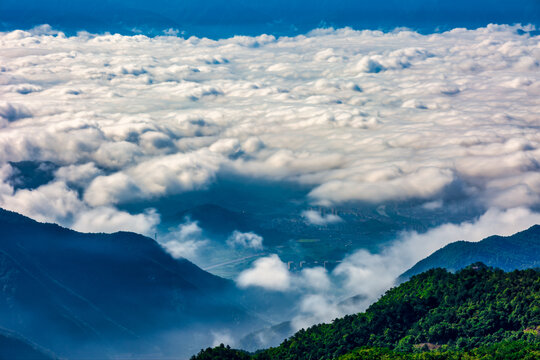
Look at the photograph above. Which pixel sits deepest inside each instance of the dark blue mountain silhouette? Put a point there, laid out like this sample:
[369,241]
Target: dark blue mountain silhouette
[14,347]
[517,252]
[84,295]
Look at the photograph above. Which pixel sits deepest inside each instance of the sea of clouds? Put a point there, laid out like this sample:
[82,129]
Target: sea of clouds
[356,116]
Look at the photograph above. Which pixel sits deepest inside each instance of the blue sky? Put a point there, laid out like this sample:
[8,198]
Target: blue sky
[219,19]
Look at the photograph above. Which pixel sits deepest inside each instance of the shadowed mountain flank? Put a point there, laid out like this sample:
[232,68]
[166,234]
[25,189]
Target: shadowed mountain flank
[519,251]
[107,293]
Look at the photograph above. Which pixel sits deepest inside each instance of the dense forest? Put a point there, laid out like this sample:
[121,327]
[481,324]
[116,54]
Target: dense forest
[476,313]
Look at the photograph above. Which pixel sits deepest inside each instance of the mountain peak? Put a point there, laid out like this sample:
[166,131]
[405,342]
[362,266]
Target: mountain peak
[518,251]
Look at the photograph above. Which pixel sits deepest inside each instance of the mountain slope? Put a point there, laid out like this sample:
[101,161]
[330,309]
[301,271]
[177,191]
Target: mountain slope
[519,251]
[103,294]
[14,347]
[474,308]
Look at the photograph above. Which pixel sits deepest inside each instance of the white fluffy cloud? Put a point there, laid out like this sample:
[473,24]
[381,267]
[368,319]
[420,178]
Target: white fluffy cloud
[355,115]
[12,112]
[245,240]
[185,241]
[267,272]
[56,202]
[109,220]
[316,218]
[314,279]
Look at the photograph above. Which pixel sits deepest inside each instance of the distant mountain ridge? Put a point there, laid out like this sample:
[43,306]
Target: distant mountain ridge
[515,252]
[98,295]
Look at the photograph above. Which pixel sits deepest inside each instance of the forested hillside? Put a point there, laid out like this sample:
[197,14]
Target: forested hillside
[475,311]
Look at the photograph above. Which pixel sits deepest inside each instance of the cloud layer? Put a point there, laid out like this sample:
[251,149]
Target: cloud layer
[445,121]
[358,116]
